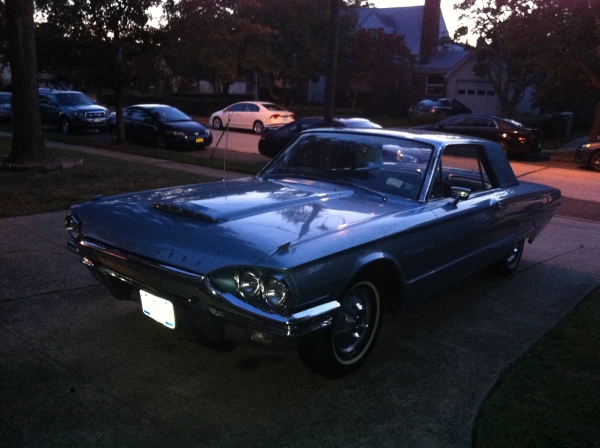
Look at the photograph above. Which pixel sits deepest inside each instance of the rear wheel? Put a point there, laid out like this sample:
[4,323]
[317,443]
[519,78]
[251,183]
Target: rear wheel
[347,342]
[511,260]
[258,127]
[595,161]
[505,147]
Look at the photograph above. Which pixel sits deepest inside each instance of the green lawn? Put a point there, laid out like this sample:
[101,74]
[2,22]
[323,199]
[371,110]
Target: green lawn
[551,396]
[30,192]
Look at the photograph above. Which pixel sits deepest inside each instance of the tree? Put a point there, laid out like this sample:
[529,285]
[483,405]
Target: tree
[213,40]
[377,62]
[104,43]
[28,147]
[295,51]
[568,44]
[505,56]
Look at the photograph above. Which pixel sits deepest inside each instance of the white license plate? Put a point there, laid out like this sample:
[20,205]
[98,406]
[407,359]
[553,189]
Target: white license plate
[157,308]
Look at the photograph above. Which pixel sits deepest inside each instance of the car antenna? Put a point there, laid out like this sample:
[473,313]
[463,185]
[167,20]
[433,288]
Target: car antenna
[226,133]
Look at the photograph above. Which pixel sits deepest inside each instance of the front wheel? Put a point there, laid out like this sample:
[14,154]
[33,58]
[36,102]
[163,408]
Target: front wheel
[217,124]
[160,142]
[345,345]
[511,260]
[113,134]
[258,127]
[65,126]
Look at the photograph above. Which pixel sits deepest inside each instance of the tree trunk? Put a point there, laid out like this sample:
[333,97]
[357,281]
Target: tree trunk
[332,53]
[28,145]
[595,130]
[121,137]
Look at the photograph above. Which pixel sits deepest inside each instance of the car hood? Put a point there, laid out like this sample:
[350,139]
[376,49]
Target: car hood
[84,108]
[251,221]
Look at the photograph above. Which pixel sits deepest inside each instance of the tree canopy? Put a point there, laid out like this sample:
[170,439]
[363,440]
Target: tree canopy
[552,46]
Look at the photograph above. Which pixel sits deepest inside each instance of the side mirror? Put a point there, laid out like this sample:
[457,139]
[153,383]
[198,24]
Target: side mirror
[459,194]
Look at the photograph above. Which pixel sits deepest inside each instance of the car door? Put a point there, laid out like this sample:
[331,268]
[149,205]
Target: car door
[483,127]
[465,234]
[251,114]
[49,110]
[236,116]
[138,129]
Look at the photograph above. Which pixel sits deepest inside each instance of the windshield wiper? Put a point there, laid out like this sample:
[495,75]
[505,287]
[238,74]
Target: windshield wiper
[345,181]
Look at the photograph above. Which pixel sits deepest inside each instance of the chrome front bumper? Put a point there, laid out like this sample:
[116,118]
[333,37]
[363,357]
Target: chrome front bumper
[199,303]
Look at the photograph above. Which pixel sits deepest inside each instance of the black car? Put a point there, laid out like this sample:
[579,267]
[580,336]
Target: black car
[514,137]
[433,110]
[162,126]
[5,107]
[275,138]
[69,110]
[589,155]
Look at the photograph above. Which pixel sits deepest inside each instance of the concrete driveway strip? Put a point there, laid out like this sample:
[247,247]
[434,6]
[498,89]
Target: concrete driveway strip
[80,368]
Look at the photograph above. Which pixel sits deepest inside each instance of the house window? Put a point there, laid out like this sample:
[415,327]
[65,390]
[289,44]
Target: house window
[435,85]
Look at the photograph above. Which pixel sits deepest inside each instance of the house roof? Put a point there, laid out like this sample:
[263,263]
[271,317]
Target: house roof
[448,58]
[405,21]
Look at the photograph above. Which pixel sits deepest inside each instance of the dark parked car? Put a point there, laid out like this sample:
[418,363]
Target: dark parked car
[70,111]
[162,126]
[339,228]
[589,154]
[514,137]
[275,138]
[5,107]
[430,110]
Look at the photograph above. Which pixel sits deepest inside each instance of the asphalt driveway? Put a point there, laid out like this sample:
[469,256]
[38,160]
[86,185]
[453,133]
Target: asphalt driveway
[78,368]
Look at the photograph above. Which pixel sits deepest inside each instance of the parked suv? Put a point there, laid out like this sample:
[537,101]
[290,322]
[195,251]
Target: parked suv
[69,111]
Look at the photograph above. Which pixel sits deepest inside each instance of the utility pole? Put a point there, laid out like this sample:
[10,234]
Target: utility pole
[332,56]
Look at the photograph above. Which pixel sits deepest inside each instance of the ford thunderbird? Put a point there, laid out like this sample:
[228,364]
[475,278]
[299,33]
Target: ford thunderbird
[310,253]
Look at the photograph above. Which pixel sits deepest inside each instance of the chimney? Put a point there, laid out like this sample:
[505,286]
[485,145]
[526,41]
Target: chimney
[430,30]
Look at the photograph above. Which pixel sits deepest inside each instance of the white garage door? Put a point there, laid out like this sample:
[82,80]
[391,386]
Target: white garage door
[480,96]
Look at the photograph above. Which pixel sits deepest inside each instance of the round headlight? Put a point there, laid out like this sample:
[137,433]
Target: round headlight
[73,226]
[276,292]
[248,284]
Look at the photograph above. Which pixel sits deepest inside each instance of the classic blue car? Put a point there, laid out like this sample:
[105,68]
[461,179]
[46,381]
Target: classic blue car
[341,226]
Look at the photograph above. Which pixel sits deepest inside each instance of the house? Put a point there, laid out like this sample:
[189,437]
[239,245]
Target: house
[443,70]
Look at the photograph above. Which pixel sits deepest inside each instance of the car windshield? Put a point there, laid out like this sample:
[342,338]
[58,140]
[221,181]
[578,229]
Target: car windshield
[73,99]
[168,114]
[377,163]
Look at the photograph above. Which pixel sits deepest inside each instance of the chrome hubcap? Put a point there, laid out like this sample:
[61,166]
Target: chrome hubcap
[352,324]
[513,255]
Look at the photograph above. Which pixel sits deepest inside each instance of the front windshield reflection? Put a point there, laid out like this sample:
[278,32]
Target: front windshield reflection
[385,164]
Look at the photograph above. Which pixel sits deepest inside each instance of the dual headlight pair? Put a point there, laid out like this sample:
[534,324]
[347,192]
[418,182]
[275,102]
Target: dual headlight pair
[273,289]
